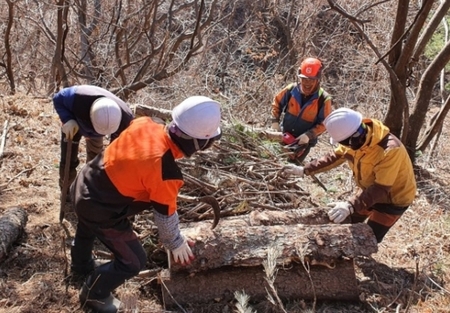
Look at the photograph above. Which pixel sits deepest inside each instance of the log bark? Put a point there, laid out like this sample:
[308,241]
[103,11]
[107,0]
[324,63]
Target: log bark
[144,110]
[242,245]
[307,216]
[291,283]
[12,225]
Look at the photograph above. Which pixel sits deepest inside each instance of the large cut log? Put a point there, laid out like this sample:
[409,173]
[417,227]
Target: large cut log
[12,224]
[242,245]
[291,283]
[307,216]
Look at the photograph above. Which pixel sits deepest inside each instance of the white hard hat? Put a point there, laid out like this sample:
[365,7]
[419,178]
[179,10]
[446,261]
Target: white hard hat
[198,117]
[342,123]
[105,116]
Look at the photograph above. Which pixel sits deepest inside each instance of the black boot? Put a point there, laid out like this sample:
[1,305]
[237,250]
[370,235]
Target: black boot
[90,296]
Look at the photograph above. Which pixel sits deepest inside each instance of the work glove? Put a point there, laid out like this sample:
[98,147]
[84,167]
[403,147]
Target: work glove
[340,211]
[276,126]
[292,170]
[302,139]
[183,254]
[70,128]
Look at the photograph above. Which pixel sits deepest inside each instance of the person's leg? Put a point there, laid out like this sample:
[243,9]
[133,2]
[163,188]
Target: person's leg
[94,146]
[129,259]
[81,250]
[358,218]
[383,217]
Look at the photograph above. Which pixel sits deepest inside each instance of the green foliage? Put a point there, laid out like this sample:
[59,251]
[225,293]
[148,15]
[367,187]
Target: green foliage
[436,44]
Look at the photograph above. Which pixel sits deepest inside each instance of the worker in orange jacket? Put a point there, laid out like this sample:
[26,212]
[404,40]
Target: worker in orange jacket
[381,168]
[136,172]
[300,109]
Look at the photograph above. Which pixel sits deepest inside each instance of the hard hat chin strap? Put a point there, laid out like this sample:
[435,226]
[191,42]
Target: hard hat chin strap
[178,132]
[188,144]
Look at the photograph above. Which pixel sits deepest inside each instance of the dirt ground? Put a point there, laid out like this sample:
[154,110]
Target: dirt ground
[409,273]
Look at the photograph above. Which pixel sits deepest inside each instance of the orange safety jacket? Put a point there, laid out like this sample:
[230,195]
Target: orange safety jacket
[301,114]
[140,163]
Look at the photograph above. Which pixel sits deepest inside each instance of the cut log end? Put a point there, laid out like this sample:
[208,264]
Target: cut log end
[12,225]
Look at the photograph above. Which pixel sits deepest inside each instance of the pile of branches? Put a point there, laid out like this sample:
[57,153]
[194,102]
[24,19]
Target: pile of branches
[242,173]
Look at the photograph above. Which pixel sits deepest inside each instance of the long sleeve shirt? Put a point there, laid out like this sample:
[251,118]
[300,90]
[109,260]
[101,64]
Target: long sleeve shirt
[74,103]
[381,168]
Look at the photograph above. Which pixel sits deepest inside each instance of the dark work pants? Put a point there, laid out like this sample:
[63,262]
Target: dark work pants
[108,221]
[380,217]
[129,255]
[94,146]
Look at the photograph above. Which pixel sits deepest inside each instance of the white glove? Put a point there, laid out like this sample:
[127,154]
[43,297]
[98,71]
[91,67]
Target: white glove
[276,126]
[70,128]
[340,211]
[290,170]
[183,254]
[302,139]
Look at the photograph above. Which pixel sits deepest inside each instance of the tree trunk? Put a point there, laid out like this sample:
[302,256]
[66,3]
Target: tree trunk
[12,224]
[292,282]
[243,245]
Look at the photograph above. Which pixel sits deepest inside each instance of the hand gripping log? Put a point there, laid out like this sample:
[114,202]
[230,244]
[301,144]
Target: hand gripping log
[208,200]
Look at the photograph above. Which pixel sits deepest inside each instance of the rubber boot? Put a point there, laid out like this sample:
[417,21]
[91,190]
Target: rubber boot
[92,296]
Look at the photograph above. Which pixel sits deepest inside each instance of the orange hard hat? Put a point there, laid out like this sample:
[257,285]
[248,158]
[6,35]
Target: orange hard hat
[310,68]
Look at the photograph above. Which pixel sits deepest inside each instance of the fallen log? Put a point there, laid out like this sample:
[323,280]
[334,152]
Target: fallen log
[307,216]
[293,282]
[12,224]
[145,110]
[243,245]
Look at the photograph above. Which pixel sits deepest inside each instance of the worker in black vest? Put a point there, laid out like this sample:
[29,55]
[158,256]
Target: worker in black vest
[91,112]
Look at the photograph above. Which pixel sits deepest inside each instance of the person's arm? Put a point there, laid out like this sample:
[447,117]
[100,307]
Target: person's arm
[325,163]
[171,237]
[63,102]
[319,127]
[279,104]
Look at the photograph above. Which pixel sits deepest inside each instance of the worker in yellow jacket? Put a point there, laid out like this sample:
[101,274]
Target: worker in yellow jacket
[381,168]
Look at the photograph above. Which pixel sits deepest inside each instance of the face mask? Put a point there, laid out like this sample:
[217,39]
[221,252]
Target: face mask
[187,144]
[357,140]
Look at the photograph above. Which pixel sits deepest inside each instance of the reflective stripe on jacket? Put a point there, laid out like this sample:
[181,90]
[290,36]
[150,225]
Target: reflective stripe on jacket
[381,168]
[301,117]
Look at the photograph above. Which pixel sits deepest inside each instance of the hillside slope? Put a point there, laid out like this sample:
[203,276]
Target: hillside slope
[410,273]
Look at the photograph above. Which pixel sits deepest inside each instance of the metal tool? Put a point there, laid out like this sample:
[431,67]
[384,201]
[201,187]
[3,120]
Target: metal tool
[297,150]
[208,200]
